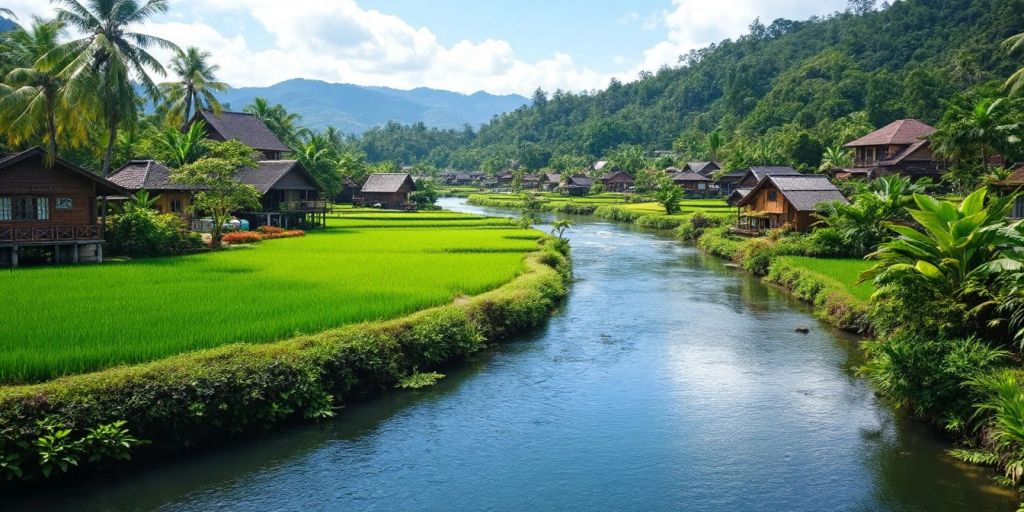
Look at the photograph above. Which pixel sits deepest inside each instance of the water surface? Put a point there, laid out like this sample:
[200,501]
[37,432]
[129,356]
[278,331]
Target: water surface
[666,382]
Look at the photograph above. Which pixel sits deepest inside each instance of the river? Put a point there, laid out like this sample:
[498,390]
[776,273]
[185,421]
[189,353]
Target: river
[666,382]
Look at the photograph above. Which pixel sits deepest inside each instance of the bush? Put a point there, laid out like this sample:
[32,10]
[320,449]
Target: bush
[283,234]
[241,237]
[269,230]
[139,231]
[199,397]
[655,221]
[698,222]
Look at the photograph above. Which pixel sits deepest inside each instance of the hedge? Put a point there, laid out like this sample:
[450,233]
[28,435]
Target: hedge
[199,397]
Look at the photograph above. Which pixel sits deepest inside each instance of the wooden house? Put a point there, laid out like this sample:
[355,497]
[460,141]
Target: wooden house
[617,181]
[245,128]
[155,178]
[694,184]
[727,183]
[505,178]
[386,190]
[1014,183]
[901,147]
[289,195]
[780,200]
[705,169]
[550,180]
[577,185]
[50,212]
[531,181]
[753,176]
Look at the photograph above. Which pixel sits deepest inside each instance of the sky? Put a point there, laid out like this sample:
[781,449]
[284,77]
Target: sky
[497,46]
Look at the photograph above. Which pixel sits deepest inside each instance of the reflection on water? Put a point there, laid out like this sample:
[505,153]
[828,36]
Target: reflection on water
[666,382]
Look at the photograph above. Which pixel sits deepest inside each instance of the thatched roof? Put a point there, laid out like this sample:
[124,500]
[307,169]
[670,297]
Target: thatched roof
[387,182]
[245,128]
[688,176]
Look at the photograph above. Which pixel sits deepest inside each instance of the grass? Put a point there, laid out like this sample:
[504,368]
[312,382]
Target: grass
[843,271]
[74,319]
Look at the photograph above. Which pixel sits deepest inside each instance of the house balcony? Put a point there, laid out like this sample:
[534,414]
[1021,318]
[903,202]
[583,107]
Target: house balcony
[304,206]
[45,234]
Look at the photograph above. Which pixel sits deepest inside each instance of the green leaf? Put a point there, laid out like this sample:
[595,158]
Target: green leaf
[973,203]
[928,270]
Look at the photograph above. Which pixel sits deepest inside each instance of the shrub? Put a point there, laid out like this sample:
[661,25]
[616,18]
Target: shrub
[269,230]
[241,237]
[139,231]
[655,221]
[283,234]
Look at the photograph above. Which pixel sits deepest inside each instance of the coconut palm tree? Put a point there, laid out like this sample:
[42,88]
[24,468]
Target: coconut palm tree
[279,120]
[30,101]
[109,60]
[835,158]
[1016,81]
[194,88]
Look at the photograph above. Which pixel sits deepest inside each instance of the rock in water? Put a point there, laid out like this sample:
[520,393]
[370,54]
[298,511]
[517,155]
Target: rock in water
[803,329]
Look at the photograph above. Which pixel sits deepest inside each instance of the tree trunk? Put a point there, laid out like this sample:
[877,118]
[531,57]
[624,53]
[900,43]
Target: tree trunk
[188,110]
[51,132]
[112,134]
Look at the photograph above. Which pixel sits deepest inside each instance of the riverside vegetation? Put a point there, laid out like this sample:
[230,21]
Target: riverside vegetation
[217,387]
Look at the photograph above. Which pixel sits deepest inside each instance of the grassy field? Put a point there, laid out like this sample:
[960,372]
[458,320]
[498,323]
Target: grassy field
[844,271]
[72,319]
[687,206]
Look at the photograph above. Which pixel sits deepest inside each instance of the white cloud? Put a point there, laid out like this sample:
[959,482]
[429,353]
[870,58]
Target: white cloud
[339,41]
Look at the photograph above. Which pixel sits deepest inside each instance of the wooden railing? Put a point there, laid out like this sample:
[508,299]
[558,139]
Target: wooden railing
[15,234]
[303,206]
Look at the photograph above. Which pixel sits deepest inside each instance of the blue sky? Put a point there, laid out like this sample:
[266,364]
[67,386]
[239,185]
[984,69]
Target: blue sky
[500,46]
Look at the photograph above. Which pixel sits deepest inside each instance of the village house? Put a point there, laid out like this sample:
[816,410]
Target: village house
[531,181]
[245,128]
[505,178]
[50,213]
[577,185]
[1014,183]
[705,169]
[694,184]
[550,181]
[753,176]
[617,181]
[389,190]
[288,192]
[727,183]
[901,147]
[781,200]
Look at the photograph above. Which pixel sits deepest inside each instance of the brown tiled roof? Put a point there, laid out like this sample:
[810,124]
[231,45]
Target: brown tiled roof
[904,131]
[265,175]
[1015,179]
[103,186]
[245,128]
[147,175]
[386,182]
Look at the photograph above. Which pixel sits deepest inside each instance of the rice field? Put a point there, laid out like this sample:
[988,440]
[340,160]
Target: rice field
[843,271]
[73,319]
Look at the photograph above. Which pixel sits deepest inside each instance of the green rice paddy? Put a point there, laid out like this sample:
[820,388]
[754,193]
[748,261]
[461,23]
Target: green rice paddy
[73,319]
[843,271]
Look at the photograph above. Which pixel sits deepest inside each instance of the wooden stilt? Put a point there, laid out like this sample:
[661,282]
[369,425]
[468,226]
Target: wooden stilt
[14,256]
[74,253]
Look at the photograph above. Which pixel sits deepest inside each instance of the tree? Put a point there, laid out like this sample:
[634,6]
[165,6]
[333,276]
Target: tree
[977,128]
[279,120]
[318,156]
[1015,83]
[426,193]
[627,158]
[221,193]
[109,60]
[835,158]
[31,103]
[715,143]
[559,228]
[194,88]
[175,148]
[667,194]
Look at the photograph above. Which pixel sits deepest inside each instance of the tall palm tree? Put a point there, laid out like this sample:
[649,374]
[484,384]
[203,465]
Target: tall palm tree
[194,88]
[105,64]
[1016,81]
[30,101]
[279,120]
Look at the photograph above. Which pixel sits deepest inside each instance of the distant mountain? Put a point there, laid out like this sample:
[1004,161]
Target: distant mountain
[6,24]
[355,109]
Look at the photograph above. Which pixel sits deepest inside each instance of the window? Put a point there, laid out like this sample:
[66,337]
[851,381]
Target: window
[773,195]
[29,208]
[176,206]
[702,186]
[5,208]
[1018,209]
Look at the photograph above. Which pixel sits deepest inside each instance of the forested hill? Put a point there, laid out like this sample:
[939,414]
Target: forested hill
[354,108]
[897,61]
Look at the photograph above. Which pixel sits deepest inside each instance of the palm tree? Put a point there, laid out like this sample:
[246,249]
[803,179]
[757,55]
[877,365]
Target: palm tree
[194,88]
[177,148]
[7,13]
[279,120]
[105,64]
[979,128]
[1016,81]
[835,158]
[30,101]
[715,143]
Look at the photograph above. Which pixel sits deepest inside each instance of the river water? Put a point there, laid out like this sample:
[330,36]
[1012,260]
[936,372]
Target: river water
[666,382]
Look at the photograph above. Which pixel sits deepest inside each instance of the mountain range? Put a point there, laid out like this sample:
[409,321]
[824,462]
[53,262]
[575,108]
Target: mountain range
[355,108]
[6,24]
